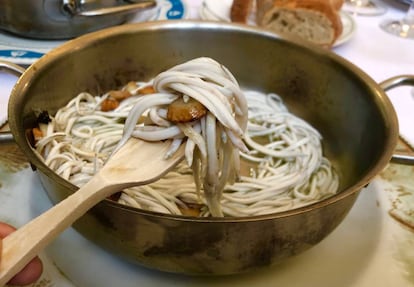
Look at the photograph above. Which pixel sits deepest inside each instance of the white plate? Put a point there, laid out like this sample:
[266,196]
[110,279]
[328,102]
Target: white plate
[25,51]
[215,10]
[348,29]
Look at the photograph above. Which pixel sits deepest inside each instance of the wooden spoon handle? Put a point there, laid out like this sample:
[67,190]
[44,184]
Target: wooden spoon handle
[25,243]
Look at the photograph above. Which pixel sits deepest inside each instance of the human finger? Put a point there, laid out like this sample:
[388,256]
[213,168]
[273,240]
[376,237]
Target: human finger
[31,272]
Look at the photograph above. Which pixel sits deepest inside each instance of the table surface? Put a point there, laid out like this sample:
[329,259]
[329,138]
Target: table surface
[369,248]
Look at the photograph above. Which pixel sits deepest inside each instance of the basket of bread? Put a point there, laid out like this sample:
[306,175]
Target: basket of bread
[315,21]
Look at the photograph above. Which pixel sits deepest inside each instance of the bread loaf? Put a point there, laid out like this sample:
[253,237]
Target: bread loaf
[240,10]
[316,21]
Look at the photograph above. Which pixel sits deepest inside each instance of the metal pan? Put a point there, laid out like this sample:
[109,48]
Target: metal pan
[352,112]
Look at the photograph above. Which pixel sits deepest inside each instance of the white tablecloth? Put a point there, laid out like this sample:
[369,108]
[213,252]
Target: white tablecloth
[377,53]
[368,249]
[381,56]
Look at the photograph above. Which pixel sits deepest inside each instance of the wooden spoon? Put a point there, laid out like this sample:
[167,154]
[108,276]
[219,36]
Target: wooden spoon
[136,163]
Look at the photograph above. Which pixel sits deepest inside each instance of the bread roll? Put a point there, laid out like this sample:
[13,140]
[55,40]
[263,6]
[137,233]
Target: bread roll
[316,21]
[240,10]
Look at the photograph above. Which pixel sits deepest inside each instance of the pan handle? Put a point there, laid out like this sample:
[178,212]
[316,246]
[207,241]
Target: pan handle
[75,8]
[16,70]
[11,68]
[402,80]
[6,137]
